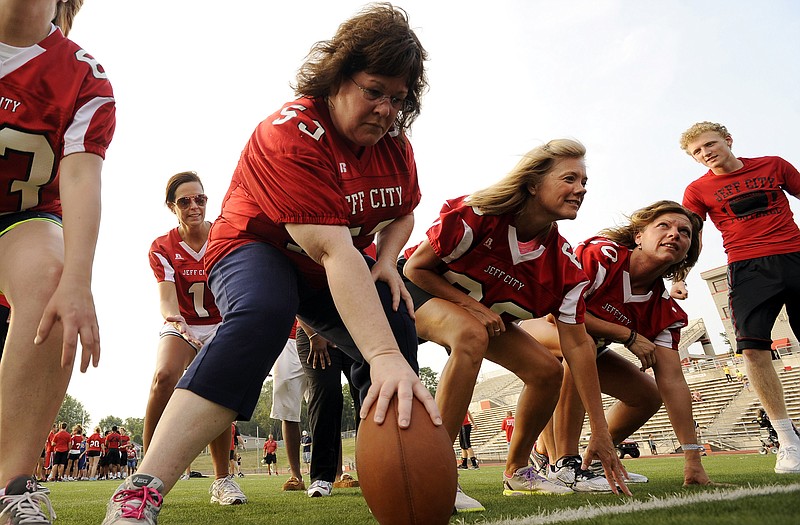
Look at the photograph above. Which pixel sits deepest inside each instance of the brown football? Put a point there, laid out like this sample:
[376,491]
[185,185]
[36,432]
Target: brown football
[407,476]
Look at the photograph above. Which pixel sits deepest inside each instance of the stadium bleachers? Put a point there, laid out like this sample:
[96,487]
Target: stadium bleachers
[725,416]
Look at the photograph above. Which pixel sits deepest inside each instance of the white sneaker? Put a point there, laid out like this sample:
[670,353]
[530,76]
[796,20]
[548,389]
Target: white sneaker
[465,503]
[526,482]
[597,469]
[320,489]
[26,502]
[540,461]
[568,472]
[184,477]
[137,501]
[225,491]
[788,460]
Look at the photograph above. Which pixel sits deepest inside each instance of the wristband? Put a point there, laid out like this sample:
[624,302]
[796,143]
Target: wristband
[631,339]
[310,337]
[692,446]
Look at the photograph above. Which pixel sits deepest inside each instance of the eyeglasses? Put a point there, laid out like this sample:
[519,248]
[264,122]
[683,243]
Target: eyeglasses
[373,95]
[184,202]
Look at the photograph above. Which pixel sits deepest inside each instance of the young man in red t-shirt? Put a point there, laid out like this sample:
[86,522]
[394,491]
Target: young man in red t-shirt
[112,453]
[60,452]
[508,428]
[746,199]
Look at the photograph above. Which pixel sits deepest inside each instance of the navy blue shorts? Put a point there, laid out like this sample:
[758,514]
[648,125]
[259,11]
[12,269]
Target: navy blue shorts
[259,292]
[758,288]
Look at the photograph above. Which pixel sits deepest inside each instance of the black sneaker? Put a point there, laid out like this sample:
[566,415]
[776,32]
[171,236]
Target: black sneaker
[26,502]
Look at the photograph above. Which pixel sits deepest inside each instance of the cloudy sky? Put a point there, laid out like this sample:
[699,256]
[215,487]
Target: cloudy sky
[626,77]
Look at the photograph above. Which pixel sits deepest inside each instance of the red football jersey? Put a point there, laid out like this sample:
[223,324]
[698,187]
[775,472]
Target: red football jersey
[173,260]
[749,207]
[483,258]
[655,314]
[55,99]
[297,169]
[95,441]
[75,442]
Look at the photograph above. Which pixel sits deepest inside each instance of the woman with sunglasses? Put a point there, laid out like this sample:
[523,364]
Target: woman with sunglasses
[316,183]
[490,259]
[56,123]
[190,315]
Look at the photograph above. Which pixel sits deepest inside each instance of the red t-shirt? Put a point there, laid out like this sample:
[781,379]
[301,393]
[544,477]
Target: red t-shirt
[61,441]
[508,427]
[483,258]
[270,446]
[466,420]
[95,441]
[57,101]
[749,207]
[297,169]
[48,446]
[123,440]
[112,441]
[655,314]
[171,259]
[75,443]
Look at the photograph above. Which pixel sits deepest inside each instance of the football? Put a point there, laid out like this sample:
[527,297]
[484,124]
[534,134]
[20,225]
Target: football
[407,476]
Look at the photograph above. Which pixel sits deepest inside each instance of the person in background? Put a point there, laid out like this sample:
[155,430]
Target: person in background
[61,446]
[75,441]
[651,441]
[465,442]
[305,443]
[191,317]
[747,200]
[270,446]
[58,122]
[317,182]
[495,257]
[508,427]
[93,452]
[234,458]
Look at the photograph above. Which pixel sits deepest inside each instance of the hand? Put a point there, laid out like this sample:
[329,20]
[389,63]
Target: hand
[645,350]
[387,272]
[73,305]
[601,447]
[318,352]
[490,320]
[695,474]
[679,291]
[182,327]
[391,375]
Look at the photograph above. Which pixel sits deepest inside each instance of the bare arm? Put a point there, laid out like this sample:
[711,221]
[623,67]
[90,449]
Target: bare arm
[357,301]
[72,303]
[641,347]
[580,354]
[170,311]
[421,270]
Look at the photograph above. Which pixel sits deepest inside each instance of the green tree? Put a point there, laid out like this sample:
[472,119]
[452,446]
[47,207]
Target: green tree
[109,421]
[348,409]
[429,378]
[135,427]
[73,412]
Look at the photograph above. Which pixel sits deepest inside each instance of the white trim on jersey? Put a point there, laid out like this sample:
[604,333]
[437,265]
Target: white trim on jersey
[513,244]
[76,132]
[169,271]
[629,296]
[463,244]
[197,255]
[569,306]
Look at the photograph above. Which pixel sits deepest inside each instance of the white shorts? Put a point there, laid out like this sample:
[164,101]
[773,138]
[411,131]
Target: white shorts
[202,332]
[288,384]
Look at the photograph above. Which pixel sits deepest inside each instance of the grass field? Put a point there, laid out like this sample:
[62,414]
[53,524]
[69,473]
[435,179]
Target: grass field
[758,496]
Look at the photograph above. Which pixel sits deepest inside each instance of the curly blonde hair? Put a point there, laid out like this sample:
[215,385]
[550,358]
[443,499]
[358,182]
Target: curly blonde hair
[698,129]
[625,235]
[509,194]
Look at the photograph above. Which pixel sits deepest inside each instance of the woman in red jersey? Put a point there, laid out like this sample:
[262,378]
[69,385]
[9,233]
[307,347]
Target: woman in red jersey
[57,123]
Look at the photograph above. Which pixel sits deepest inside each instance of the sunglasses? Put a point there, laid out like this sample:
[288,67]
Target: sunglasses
[184,202]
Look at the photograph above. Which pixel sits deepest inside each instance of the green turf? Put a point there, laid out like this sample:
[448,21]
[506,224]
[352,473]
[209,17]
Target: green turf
[84,502]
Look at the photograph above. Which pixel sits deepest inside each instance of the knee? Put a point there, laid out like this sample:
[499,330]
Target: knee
[546,373]
[470,345]
[164,381]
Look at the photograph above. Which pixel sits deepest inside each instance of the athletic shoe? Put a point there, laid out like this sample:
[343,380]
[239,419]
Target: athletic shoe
[346,482]
[26,502]
[526,482]
[137,500]
[568,472]
[540,461]
[241,475]
[226,492]
[184,477]
[294,484]
[465,503]
[597,469]
[320,489]
[788,460]
[462,466]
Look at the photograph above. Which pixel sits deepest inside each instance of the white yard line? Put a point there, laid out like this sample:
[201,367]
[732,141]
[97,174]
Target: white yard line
[677,500]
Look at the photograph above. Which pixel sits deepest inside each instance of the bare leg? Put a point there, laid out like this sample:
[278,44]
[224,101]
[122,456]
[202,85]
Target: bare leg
[30,376]
[168,456]
[766,382]
[220,453]
[291,436]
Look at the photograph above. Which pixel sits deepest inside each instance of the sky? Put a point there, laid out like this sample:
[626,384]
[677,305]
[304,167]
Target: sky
[192,79]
